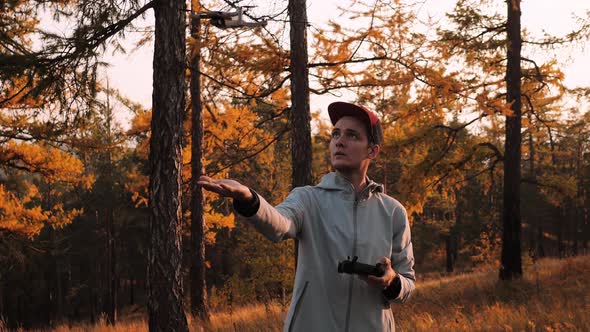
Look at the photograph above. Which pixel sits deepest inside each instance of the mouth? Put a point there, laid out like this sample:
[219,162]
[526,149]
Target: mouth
[339,154]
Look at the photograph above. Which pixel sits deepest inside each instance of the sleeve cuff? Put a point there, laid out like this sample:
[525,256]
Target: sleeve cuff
[247,208]
[394,289]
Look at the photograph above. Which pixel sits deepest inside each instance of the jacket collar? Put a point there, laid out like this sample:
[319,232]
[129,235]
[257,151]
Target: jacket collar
[333,181]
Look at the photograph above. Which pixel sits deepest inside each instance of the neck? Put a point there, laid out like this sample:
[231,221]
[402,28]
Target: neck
[358,179]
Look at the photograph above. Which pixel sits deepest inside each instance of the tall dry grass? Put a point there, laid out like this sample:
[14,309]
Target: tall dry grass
[553,296]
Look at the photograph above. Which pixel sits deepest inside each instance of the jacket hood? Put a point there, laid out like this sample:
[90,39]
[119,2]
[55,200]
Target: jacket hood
[333,181]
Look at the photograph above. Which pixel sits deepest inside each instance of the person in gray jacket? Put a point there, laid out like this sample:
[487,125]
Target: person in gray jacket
[345,215]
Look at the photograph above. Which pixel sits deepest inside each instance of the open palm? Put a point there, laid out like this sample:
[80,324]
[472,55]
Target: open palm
[226,188]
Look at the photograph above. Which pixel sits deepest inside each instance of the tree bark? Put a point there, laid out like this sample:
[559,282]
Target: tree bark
[449,246]
[165,293]
[111,265]
[109,217]
[301,151]
[511,262]
[198,289]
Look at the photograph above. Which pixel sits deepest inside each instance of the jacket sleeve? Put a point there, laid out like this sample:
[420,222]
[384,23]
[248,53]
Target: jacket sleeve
[402,259]
[280,222]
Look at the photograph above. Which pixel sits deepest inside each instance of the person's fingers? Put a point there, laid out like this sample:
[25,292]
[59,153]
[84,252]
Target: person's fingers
[373,279]
[385,280]
[384,260]
[382,282]
[212,185]
[205,178]
[226,186]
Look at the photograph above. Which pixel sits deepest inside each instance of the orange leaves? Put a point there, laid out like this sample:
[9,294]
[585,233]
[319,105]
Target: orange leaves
[280,97]
[16,217]
[25,218]
[137,184]
[140,124]
[215,221]
[52,163]
[60,217]
[233,135]
[21,208]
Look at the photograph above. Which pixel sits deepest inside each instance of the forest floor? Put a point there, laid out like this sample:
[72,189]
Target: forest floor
[554,295]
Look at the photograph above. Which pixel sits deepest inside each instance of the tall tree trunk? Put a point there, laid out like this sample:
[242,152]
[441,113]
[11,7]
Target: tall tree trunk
[95,284]
[301,152]
[534,223]
[300,115]
[585,204]
[531,147]
[49,301]
[111,264]
[561,233]
[198,289]
[109,217]
[2,294]
[165,293]
[511,263]
[579,201]
[54,302]
[449,245]
[131,291]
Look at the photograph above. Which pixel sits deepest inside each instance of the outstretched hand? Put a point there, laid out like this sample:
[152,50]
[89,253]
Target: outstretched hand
[386,279]
[226,188]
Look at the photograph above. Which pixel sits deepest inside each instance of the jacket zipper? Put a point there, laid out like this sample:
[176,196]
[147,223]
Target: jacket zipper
[351,282]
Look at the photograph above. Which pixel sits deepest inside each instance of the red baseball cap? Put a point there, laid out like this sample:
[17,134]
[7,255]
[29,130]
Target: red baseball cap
[338,109]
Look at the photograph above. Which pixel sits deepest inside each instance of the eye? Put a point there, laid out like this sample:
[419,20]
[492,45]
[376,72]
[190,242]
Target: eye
[353,136]
[335,134]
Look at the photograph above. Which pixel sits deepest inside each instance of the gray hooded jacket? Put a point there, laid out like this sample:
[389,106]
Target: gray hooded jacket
[333,223]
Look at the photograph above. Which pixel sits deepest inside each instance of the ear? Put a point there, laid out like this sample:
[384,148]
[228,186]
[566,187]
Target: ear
[373,151]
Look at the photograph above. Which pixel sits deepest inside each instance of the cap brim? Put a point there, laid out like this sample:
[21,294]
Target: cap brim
[337,110]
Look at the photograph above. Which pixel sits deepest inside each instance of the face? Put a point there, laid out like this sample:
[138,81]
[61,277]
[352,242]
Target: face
[349,147]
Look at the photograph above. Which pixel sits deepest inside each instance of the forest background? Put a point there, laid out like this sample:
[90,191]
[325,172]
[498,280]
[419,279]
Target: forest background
[74,180]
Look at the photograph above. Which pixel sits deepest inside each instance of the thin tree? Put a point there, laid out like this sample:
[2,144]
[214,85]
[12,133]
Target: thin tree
[165,295]
[198,289]
[511,262]
[300,114]
[301,151]
[109,216]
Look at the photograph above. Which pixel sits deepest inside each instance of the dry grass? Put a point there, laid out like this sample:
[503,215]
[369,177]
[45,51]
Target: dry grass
[553,296]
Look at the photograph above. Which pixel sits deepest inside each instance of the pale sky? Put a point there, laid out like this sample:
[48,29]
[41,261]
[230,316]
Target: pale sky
[132,73]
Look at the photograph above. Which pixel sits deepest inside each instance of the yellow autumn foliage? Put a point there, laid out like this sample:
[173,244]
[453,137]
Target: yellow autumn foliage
[17,218]
[21,208]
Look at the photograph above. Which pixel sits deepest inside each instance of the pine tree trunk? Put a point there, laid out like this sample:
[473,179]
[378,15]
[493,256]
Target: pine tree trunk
[511,262]
[111,296]
[198,285]
[300,114]
[449,252]
[301,152]
[578,203]
[2,313]
[165,293]
[560,234]
[131,291]
[109,217]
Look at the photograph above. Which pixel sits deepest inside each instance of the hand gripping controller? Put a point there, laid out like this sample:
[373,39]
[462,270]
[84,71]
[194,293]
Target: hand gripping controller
[354,267]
